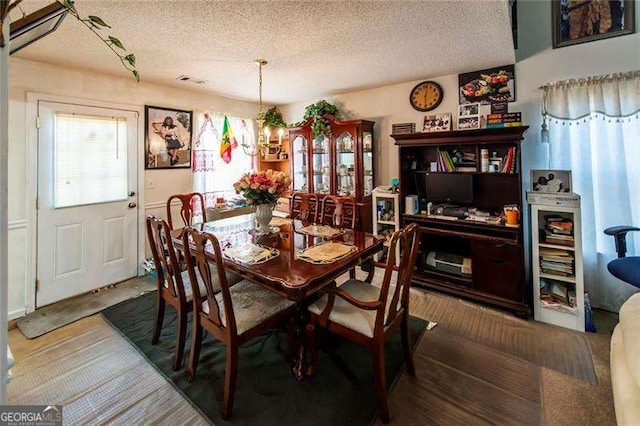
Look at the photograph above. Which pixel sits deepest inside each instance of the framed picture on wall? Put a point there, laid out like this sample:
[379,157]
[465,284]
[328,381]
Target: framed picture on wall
[487,86]
[581,21]
[167,139]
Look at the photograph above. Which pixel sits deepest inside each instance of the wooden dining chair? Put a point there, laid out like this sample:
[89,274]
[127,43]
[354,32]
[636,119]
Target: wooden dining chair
[338,211]
[174,286]
[305,206]
[233,315]
[368,314]
[186,208]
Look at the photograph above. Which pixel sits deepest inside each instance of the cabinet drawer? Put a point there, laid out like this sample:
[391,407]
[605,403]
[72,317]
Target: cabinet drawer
[496,250]
[498,277]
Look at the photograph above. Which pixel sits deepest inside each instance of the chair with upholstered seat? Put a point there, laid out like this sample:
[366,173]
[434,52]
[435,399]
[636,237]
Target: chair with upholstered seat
[625,268]
[187,210]
[174,287]
[305,206]
[338,211]
[233,315]
[369,315]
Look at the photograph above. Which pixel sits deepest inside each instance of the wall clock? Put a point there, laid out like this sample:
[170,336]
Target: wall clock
[426,96]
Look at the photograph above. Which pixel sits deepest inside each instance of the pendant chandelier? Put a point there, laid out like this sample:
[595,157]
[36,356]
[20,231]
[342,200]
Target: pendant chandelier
[262,146]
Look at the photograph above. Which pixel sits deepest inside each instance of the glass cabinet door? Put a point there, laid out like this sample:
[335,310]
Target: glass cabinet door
[299,164]
[367,163]
[321,165]
[345,164]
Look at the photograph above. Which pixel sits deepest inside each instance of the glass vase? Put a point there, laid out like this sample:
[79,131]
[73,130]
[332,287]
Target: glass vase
[264,213]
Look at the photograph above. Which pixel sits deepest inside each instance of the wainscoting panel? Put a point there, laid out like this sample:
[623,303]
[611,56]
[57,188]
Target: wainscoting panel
[17,269]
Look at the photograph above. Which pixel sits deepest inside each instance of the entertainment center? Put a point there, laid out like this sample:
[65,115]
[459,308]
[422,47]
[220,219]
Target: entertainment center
[466,247]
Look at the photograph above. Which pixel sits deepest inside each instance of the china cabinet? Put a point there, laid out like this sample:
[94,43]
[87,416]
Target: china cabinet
[338,164]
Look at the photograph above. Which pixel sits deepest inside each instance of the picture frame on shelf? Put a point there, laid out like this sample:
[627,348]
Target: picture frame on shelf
[469,122]
[486,86]
[167,141]
[437,123]
[615,18]
[466,110]
[552,181]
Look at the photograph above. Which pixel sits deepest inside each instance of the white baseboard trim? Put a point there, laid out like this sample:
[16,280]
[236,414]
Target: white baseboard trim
[18,313]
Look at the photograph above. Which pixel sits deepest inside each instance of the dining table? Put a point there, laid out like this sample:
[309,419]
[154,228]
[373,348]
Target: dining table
[288,273]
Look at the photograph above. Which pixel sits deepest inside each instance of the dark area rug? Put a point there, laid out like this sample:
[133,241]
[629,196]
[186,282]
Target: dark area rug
[341,391]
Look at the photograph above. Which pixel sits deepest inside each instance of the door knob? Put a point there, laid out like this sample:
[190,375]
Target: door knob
[132,205]
[131,194]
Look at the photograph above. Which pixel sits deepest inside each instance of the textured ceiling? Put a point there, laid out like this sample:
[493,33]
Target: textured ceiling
[314,48]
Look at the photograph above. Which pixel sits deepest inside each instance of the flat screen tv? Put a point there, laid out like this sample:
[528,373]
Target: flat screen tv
[450,188]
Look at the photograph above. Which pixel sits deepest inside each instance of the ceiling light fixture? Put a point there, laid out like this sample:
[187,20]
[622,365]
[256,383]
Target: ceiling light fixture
[34,26]
[262,146]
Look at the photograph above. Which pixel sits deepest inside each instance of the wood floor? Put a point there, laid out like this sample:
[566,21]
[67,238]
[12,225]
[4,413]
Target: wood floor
[477,366]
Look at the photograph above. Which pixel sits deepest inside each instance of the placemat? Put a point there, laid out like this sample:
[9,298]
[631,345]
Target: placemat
[320,231]
[250,254]
[326,253]
[279,221]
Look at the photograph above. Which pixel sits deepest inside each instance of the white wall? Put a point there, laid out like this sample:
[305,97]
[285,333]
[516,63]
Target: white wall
[27,76]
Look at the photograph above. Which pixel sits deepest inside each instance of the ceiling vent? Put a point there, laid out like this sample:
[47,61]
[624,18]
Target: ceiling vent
[191,79]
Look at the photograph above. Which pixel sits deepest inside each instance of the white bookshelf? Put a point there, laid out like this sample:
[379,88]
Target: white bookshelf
[390,203]
[566,315]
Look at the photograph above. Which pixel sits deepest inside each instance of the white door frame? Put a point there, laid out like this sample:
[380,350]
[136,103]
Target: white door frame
[31,169]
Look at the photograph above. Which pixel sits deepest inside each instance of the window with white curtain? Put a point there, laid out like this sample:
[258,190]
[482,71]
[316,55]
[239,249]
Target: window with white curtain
[594,131]
[90,160]
[211,175]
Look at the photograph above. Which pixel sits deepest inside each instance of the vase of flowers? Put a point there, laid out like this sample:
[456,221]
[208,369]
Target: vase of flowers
[262,190]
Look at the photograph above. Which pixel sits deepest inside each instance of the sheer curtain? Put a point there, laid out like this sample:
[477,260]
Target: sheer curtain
[594,131]
[211,175]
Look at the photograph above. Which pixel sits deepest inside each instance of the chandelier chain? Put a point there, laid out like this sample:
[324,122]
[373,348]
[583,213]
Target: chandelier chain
[260,89]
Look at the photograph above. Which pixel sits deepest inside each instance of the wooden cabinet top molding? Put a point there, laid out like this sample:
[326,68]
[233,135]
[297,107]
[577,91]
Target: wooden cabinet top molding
[333,120]
[456,137]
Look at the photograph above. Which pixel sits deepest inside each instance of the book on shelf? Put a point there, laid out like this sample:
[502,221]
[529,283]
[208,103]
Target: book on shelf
[502,125]
[513,117]
[509,163]
[566,268]
[446,163]
[561,240]
[552,252]
[555,272]
[563,226]
[553,292]
[403,128]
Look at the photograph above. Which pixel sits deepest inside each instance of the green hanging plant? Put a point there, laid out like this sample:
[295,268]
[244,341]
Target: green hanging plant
[316,112]
[94,23]
[273,118]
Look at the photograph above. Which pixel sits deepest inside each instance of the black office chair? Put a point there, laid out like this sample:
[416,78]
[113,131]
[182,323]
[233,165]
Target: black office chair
[625,268]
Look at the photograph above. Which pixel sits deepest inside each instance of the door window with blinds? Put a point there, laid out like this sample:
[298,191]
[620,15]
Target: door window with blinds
[90,160]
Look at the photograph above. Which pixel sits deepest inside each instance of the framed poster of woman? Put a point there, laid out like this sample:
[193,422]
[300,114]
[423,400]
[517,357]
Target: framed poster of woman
[167,138]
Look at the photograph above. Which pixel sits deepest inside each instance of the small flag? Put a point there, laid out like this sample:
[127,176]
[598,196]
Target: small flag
[228,141]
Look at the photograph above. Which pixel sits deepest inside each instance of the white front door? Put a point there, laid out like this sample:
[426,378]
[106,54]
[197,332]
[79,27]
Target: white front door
[87,235]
